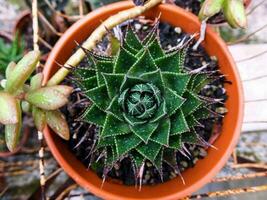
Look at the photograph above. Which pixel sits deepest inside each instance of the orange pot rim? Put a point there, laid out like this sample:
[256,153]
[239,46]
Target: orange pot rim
[213,163]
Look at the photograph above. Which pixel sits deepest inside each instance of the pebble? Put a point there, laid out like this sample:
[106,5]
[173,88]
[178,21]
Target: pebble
[145,28]
[184,164]
[203,153]
[195,153]
[116,166]
[195,160]
[172,175]
[147,176]
[148,164]
[204,63]
[169,46]
[138,26]
[178,30]
[214,58]
[221,110]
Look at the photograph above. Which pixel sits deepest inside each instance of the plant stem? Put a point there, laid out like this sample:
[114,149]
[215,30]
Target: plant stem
[97,35]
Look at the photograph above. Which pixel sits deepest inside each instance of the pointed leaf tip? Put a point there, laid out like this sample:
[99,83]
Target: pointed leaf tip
[57,122]
[39,118]
[11,66]
[12,131]
[36,81]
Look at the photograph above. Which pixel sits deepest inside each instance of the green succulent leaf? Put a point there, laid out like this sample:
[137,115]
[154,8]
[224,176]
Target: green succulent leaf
[12,131]
[170,63]
[10,68]
[144,131]
[57,122]
[94,115]
[191,104]
[114,127]
[124,61]
[85,72]
[173,101]
[99,96]
[132,40]
[103,67]
[178,123]
[175,141]
[87,84]
[36,81]
[162,133]
[39,118]
[149,150]
[22,71]
[175,81]
[9,112]
[113,83]
[127,142]
[210,8]
[155,49]
[235,13]
[189,137]
[144,64]
[114,108]
[138,159]
[154,77]
[49,98]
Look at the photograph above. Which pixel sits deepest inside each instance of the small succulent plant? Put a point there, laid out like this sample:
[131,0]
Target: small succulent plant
[10,52]
[145,102]
[233,10]
[16,96]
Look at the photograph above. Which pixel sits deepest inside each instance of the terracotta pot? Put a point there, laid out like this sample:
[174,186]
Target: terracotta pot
[247,3]
[205,169]
[23,20]
[6,37]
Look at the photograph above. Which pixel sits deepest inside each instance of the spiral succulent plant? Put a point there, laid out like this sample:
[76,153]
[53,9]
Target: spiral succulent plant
[144,101]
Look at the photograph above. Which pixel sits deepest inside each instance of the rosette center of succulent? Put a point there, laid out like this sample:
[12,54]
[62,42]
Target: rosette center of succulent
[140,101]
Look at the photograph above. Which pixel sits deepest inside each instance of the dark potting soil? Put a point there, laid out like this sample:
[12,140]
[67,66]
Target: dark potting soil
[84,136]
[194,7]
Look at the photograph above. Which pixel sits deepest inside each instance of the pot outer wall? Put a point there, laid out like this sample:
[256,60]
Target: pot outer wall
[205,169]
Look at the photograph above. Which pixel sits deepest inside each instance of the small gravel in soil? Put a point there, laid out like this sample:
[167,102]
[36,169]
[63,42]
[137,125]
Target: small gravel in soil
[84,136]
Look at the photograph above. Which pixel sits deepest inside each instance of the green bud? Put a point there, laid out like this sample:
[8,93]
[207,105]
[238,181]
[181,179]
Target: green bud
[25,106]
[12,131]
[36,81]
[114,45]
[49,98]
[235,14]
[22,71]
[57,122]
[210,8]
[39,118]
[9,112]
[3,83]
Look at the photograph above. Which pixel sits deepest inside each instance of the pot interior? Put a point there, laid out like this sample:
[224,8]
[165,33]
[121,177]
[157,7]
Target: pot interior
[206,168]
